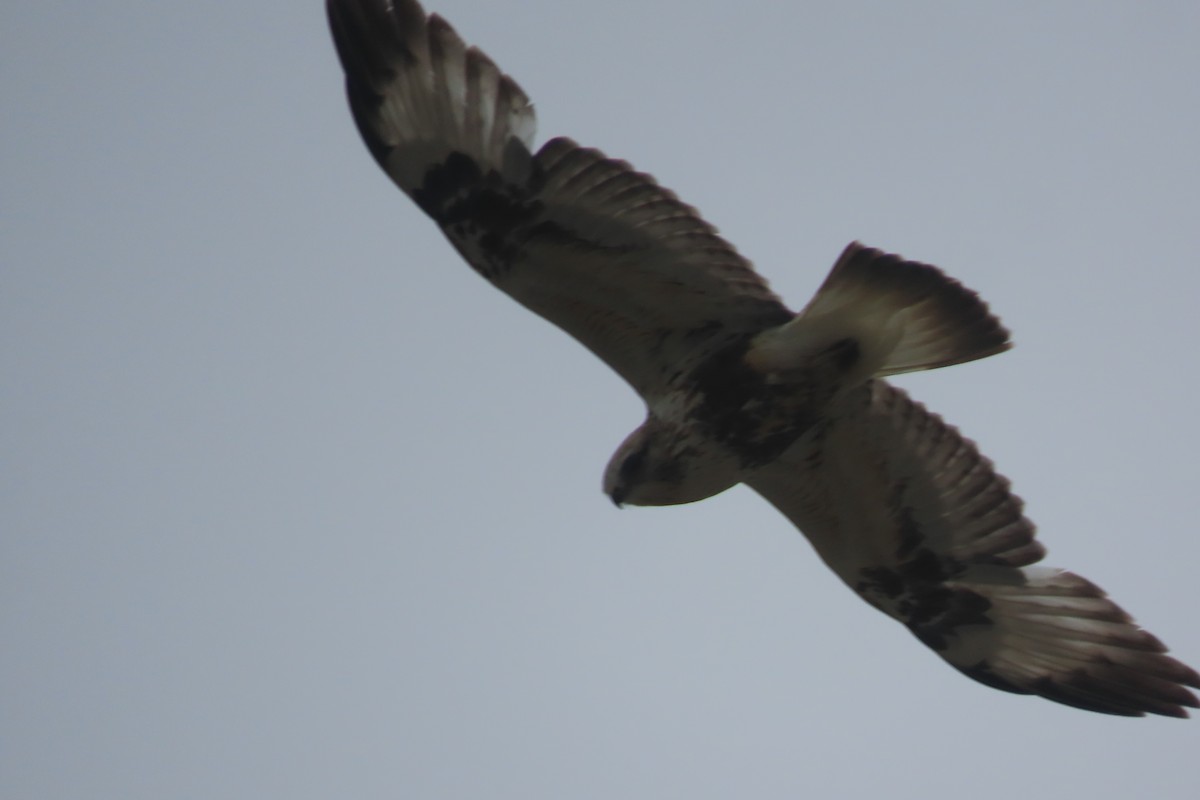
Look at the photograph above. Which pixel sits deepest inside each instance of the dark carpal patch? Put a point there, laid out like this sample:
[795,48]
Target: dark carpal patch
[926,566]
[475,206]
[448,186]
[497,216]
[934,613]
[915,589]
[917,563]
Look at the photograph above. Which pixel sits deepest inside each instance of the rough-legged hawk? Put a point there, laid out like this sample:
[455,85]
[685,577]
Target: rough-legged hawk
[738,388]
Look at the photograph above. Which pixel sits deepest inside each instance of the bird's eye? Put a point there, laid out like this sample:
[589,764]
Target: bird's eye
[633,465]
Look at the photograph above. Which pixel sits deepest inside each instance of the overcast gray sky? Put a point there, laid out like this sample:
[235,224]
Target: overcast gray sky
[295,505]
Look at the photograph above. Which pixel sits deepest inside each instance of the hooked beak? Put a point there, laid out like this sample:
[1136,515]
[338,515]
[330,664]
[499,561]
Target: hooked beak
[618,498]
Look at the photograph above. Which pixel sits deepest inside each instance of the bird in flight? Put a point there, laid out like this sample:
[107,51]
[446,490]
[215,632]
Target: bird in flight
[740,389]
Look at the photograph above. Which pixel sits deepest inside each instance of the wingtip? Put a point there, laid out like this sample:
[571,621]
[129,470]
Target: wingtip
[1059,636]
[419,94]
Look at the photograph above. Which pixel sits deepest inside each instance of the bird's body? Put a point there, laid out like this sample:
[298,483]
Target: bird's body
[738,388]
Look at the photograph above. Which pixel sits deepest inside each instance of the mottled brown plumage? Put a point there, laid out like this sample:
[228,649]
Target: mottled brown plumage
[738,388]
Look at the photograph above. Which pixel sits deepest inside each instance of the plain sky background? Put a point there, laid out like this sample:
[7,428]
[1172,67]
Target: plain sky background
[295,505]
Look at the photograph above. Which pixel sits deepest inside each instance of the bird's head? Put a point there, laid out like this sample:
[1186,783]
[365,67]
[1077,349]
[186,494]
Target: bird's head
[658,465]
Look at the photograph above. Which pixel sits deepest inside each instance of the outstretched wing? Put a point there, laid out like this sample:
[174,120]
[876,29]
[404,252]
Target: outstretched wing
[914,519]
[596,248]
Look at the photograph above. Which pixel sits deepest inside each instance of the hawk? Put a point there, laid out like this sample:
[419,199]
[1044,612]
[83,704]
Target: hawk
[740,389]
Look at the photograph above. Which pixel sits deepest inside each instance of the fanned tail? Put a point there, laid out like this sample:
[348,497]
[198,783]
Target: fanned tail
[901,316]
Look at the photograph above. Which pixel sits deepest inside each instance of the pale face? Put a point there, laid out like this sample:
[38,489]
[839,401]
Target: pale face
[660,466]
